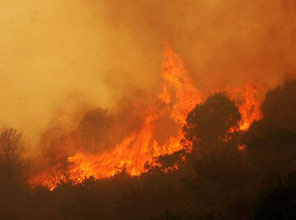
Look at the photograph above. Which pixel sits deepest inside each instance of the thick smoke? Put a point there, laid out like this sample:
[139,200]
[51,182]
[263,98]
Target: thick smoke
[95,52]
[224,42]
[78,78]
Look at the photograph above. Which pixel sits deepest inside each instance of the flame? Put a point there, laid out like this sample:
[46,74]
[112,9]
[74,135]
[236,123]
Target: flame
[175,78]
[177,98]
[250,110]
[242,147]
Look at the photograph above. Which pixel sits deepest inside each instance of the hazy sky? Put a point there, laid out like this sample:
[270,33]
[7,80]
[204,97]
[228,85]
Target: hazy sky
[50,50]
[60,54]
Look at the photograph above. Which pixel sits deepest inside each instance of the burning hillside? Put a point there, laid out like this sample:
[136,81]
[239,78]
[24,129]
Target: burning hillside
[159,109]
[165,114]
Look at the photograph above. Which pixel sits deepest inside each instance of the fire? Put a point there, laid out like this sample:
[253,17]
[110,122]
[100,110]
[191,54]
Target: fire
[248,99]
[250,110]
[177,98]
[242,148]
[177,87]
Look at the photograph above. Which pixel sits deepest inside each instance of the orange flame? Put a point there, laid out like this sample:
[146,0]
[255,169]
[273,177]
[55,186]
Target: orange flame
[250,110]
[175,78]
[242,148]
[177,98]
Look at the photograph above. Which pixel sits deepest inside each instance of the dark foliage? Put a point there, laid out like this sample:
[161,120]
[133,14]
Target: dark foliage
[214,181]
[277,200]
[279,106]
[210,122]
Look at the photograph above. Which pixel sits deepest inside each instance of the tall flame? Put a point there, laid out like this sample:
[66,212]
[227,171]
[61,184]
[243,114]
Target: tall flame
[248,98]
[250,110]
[177,98]
[177,87]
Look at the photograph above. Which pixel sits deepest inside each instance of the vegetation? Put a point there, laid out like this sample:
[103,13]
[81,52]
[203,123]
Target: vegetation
[214,182]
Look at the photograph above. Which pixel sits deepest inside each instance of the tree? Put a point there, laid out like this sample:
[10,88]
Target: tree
[279,105]
[95,130]
[265,135]
[271,142]
[13,187]
[210,123]
[11,166]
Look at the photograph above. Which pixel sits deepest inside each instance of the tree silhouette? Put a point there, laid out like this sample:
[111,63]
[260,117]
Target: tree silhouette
[271,142]
[10,163]
[265,135]
[210,122]
[279,105]
[95,129]
[13,187]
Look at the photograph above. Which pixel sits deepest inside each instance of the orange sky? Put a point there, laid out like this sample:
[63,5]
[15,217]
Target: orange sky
[57,55]
[51,52]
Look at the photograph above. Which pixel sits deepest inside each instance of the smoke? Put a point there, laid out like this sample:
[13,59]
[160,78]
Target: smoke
[96,51]
[224,42]
[51,54]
